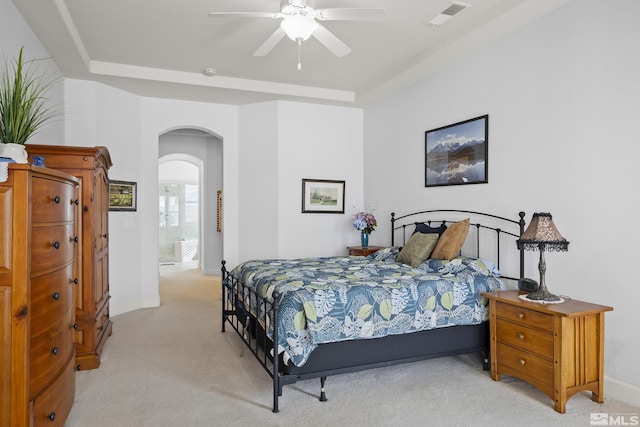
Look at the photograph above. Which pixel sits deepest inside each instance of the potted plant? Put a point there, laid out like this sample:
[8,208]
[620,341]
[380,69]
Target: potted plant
[23,108]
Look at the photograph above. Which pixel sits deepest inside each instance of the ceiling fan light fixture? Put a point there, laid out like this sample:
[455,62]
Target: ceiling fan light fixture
[299,27]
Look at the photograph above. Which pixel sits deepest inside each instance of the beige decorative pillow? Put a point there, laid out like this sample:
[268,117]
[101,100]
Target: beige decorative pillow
[417,249]
[451,240]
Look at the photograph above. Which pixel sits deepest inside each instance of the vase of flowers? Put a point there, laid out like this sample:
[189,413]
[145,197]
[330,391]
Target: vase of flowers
[366,223]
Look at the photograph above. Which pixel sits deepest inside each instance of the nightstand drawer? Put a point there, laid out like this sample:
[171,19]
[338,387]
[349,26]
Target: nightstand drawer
[521,364]
[533,340]
[518,314]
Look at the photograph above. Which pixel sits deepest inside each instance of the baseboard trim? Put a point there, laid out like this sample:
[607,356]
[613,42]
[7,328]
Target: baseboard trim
[116,308]
[622,391]
[153,301]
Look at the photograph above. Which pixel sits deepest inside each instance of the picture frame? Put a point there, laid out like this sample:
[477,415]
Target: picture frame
[322,196]
[457,154]
[123,195]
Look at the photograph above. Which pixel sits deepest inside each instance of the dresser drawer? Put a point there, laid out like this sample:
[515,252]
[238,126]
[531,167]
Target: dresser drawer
[51,408]
[51,247]
[518,314]
[533,340]
[49,352]
[533,369]
[51,298]
[53,201]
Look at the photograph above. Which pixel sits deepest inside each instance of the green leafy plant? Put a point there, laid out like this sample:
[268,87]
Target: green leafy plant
[23,106]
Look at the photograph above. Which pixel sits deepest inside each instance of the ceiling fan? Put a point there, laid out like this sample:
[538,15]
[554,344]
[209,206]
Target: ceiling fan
[300,21]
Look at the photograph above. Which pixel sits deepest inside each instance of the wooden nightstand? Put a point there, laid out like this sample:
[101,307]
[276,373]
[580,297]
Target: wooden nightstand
[558,348]
[360,251]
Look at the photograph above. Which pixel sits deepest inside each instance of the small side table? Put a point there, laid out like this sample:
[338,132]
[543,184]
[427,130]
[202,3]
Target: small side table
[558,348]
[360,251]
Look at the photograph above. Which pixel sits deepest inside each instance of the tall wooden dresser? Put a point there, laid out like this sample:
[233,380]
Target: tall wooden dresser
[39,269]
[90,165]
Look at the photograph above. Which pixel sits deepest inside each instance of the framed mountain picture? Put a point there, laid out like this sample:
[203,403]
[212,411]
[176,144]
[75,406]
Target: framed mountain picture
[457,154]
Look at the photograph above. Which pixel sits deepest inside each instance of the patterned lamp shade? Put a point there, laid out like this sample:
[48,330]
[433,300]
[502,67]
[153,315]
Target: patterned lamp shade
[542,234]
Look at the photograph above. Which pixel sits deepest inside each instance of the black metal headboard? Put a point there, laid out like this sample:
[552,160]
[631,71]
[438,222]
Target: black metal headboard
[485,224]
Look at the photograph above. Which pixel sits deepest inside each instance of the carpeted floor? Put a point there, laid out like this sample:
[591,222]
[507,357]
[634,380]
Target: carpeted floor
[171,366]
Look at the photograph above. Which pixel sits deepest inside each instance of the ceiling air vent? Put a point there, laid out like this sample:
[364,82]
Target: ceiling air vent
[455,9]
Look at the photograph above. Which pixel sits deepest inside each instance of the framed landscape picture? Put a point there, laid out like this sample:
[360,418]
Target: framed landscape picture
[457,154]
[122,196]
[322,196]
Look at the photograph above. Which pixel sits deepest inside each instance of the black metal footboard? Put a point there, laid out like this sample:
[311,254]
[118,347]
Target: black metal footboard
[252,324]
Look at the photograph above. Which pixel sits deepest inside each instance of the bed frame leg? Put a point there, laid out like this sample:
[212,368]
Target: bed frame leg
[485,360]
[323,396]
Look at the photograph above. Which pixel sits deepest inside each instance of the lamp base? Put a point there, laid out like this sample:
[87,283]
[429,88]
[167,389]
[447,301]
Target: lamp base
[542,296]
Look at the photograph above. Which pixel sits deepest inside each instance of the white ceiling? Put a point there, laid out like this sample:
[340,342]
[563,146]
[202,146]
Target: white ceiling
[159,48]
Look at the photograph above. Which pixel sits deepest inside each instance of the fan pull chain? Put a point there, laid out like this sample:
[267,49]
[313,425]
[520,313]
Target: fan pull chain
[299,54]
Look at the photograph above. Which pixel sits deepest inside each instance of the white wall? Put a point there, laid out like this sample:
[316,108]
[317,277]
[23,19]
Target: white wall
[282,143]
[563,97]
[258,181]
[318,142]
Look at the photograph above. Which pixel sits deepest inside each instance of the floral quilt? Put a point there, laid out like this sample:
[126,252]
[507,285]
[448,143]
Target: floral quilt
[344,298]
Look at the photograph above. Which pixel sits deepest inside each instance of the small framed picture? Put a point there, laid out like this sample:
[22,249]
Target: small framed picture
[457,154]
[322,196]
[123,196]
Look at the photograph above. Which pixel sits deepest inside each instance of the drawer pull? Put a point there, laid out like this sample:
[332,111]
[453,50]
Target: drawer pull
[52,416]
[56,200]
[56,295]
[520,315]
[104,235]
[75,326]
[74,281]
[521,336]
[56,245]
[75,202]
[55,351]
[522,362]
[74,239]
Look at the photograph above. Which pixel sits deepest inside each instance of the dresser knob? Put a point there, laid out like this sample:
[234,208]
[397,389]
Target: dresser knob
[75,326]
[52,416]
[56,245]
[74,239]
[56,296]
[104,235]
[75,281]
[75,202]
[56,200]
[55,351]
[520,315]
[522,362]
[521,336]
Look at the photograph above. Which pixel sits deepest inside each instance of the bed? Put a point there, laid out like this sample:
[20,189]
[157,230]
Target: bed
[317,317]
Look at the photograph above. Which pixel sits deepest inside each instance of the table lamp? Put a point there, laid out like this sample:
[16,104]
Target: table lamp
[542,235]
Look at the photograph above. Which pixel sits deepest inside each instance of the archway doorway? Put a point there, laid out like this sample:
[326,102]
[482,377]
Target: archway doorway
[182,197]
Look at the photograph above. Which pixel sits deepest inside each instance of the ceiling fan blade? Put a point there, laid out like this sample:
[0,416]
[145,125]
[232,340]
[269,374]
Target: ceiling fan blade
[351,14]
[270,42]
[331,42]
[245,14]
